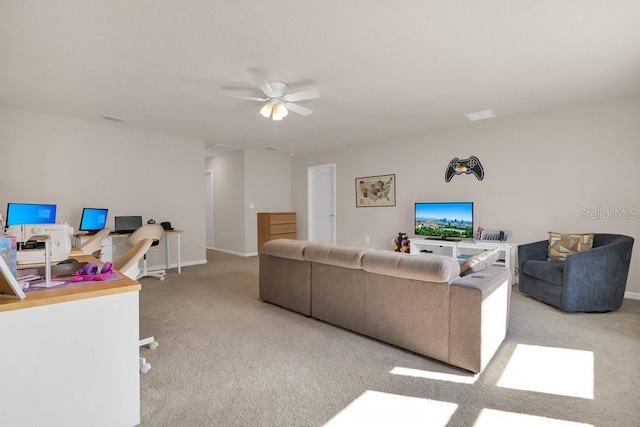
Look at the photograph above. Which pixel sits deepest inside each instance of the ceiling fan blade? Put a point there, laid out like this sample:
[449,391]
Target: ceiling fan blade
[304,111]
[264,86]
[302,96]
[250,98]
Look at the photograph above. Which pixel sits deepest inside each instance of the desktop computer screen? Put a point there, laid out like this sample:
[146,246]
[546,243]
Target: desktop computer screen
[93,219]
[30,213]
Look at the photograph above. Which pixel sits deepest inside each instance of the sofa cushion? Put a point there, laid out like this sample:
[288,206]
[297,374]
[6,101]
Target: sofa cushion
[340,256]
[427,268]
[479,262]
[549,271]
[563,244]
[286,248]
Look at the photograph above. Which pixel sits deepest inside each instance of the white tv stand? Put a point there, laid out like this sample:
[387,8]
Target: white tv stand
[466,248]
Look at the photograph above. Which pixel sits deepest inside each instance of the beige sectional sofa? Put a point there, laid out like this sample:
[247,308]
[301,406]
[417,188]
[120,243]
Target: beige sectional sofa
[416,302]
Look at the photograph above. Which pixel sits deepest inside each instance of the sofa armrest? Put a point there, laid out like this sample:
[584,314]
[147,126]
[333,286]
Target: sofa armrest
[597,278]
[479,312]
[538,251]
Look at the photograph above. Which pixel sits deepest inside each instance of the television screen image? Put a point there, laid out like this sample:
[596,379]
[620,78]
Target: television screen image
[30,213]
[93,219]
[453,220]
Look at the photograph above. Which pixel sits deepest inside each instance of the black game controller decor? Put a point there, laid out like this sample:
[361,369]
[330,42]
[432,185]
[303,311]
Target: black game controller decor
[459,166]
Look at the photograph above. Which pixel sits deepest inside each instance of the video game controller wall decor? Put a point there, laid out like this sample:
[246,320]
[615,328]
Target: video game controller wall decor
[459,166]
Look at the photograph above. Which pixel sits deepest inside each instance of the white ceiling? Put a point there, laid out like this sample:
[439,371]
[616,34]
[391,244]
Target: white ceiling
[384,69]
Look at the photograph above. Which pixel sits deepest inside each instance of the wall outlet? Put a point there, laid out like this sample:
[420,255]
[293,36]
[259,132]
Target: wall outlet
[366,239]
[252,205]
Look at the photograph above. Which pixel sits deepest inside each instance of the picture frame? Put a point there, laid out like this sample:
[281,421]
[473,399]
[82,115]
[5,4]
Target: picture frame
[9,286]
[376,191]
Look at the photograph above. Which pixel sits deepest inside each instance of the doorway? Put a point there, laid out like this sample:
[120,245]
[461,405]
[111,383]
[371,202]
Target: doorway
[208,213]
[321,191]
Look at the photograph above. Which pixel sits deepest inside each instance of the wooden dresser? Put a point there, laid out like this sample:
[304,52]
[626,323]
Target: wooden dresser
[275,225]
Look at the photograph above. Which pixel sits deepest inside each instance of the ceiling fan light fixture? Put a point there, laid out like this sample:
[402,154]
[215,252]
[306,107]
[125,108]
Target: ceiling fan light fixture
[278,101]
[266,110]
[279,111]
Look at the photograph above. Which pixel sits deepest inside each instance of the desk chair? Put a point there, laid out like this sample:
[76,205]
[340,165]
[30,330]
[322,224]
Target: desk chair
[93,245]
[148,231]
[127,264]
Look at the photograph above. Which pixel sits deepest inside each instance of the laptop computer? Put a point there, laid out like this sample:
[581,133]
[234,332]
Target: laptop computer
[127,224]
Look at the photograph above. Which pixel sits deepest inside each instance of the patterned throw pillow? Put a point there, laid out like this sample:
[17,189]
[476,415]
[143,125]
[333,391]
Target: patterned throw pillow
[562,244]
[479,262]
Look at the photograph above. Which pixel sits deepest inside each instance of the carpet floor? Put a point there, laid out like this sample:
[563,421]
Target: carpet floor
[228,359]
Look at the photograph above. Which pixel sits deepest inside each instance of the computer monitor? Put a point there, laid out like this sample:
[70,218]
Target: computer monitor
[30,213]
[93,219]
[127,224]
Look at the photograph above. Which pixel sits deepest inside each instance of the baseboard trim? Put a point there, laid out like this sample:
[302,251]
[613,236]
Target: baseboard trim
[188,263]
[242,254]
[175,264]
[632,295]
[628,295]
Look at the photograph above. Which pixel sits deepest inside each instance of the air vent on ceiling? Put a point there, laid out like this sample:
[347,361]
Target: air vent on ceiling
[272,148]
[480,115]
[112,118]
[217,149]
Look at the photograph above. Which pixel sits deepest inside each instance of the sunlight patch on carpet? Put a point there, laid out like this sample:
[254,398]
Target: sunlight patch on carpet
[550,370]
[418,373]
[385,409]
[493,418]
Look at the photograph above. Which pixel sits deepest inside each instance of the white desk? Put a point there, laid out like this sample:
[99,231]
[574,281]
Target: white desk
[70,356]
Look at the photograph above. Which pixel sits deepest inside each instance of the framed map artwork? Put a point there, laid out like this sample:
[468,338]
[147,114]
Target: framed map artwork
[373,191]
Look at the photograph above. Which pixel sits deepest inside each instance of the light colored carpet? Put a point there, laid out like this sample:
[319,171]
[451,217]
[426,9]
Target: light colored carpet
[228,359]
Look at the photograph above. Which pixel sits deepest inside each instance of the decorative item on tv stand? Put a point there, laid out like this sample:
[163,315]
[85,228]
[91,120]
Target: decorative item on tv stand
[493,235]
[401,243]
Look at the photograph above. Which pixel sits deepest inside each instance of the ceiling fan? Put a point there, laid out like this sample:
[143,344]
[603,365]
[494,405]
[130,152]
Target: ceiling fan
[278,101]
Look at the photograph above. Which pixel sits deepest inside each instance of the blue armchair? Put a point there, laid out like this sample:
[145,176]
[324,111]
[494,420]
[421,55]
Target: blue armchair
[590,281]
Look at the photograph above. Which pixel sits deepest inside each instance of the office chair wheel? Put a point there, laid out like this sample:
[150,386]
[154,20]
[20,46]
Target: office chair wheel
[154,345]
[144,366]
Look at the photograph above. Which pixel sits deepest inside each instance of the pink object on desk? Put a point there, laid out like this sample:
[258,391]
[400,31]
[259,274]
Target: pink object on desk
[90,273]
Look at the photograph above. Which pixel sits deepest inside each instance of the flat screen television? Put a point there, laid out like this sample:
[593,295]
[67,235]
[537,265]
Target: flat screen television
[93,219]
[30,213]
[444,220]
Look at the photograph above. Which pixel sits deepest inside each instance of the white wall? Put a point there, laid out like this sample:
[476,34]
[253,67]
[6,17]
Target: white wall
[268,187]
[228,201]
[76,164]
[541,170]
[242,179]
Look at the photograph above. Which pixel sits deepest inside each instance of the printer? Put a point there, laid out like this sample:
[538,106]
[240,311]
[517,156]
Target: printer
[31,238]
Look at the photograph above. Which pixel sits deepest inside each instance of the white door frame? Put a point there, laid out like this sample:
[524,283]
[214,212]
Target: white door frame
[310,191]
[209,199]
